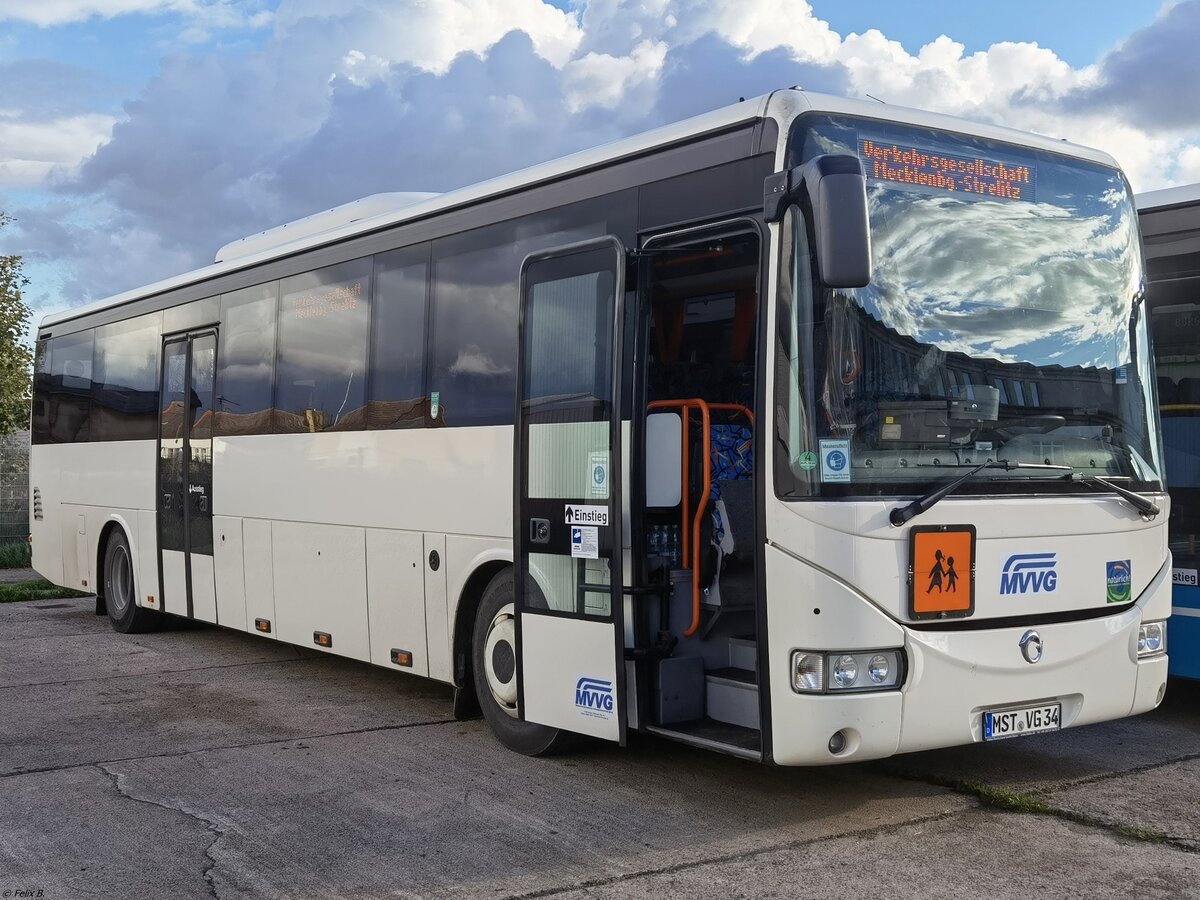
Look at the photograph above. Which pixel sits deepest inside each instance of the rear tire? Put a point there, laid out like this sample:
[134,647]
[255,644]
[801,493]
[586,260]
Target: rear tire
[120,589]
[494,668]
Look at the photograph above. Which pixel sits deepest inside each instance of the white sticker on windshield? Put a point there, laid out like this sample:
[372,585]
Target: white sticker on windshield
[835,461]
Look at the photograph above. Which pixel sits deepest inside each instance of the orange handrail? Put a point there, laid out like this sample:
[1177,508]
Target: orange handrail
[686,406]
[735,407]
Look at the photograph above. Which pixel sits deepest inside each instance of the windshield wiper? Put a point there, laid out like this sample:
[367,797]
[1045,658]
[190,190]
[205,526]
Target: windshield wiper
[902,514]
[1144,505]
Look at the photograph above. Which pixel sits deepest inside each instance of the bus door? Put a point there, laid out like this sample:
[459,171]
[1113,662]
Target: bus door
[567,455]
[185,530]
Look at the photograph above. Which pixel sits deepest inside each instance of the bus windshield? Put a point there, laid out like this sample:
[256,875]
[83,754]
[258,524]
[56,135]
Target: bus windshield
[1003,321]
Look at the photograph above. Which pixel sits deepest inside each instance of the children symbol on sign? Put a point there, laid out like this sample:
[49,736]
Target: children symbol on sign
[936,573]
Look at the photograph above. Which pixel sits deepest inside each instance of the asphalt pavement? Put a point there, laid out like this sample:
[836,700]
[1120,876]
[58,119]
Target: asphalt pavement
[200,762]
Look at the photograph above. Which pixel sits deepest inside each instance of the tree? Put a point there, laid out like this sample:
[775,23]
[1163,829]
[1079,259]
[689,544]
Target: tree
[16,359]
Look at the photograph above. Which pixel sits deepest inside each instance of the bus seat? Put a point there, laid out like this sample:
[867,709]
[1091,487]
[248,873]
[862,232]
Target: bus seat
[733,485]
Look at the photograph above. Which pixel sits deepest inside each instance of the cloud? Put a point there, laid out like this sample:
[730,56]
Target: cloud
[429,34]
[204,13]
[31,151]
[473,361]
[338,101]
[1150,79]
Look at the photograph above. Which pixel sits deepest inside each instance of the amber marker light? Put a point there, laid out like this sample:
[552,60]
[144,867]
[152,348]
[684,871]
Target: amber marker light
[263,625]
[401,658]
[322,639]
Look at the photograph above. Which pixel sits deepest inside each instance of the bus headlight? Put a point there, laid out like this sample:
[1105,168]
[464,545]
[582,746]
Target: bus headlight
[808,672]
[815,672]
[1152,639]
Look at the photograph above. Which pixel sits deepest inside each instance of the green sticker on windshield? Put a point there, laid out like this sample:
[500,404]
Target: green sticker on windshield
[808,460]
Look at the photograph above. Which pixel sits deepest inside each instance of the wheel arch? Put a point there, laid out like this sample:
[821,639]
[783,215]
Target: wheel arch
[464,614]
[115,522]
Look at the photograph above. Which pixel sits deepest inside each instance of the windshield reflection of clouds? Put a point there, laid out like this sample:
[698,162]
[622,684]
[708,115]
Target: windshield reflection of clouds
[997,279]
[991,326]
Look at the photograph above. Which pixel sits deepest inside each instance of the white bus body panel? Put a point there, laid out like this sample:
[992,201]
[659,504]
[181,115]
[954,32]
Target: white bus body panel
[101,482]
[259,572]
[854,541]
[321,586]
[437,609]
[146,543]
[554,655]
[204,588]
[815,577]
[174,573]
[396,598]
[230,576]
[440,480]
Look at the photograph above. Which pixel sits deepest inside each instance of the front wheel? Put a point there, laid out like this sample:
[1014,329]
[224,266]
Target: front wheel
[494,664]
[120,594]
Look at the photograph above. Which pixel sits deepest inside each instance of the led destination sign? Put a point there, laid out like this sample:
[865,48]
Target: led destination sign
[908,165]
[327,300]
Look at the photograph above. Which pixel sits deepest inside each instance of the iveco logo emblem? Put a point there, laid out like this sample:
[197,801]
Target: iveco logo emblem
[1031,646]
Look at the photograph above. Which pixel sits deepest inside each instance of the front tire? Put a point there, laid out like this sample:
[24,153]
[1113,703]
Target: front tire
[120,589]
[494,667]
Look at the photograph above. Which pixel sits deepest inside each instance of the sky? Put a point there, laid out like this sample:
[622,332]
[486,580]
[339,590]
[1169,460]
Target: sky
[138,136]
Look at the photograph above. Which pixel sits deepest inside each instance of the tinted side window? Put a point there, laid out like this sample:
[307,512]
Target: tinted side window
[125,380]
[40,424]
[245,360]
[322,365]
[475,305]
[397,389]
[68,389]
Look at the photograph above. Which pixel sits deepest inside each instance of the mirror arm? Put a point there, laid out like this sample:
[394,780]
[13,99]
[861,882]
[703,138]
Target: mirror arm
[779,190]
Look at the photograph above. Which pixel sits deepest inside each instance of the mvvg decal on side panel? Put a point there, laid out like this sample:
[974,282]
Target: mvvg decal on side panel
[594,697]
[1026,573]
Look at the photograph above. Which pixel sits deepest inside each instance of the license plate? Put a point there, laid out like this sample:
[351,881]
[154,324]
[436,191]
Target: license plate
[1011,723]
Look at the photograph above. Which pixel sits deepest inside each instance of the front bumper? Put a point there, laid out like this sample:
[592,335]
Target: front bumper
[1090,666]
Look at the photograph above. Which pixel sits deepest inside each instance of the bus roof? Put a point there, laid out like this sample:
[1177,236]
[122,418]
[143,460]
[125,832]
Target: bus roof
[1172,196]
[383,211]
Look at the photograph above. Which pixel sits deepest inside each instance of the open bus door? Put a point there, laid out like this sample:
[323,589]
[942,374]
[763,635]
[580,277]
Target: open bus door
[568,527]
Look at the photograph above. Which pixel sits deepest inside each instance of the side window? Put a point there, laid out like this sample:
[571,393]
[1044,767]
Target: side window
[40,420]
[396,397]
[475,327]
[125,380]
[794,382]
[320,382]
[68,389]
[475,287]
[245,361]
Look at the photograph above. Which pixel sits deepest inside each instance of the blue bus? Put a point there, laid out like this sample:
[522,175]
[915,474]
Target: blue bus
[1170,222]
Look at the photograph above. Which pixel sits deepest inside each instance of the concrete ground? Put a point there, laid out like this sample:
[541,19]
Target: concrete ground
[200,762]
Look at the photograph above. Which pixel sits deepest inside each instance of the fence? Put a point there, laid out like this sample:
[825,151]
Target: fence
[14,487]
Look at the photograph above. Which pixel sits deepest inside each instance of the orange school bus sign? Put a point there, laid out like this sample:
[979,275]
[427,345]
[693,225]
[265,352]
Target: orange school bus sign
[941,571]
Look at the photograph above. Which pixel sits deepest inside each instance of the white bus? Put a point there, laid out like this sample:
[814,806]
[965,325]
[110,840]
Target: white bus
[808,430]
[1170,220]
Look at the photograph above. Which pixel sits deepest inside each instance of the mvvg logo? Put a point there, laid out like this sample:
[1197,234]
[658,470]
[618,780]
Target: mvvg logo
[1029,572]
[594,697]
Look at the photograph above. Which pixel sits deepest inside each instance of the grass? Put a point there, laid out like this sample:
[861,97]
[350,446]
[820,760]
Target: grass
[1013,801]
[15,556]
[35,590]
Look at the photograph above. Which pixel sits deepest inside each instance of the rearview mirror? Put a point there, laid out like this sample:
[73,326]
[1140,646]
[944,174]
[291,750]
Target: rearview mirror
[836,189]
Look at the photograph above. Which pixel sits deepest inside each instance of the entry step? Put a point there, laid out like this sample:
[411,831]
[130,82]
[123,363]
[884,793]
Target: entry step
[731,696]
[743,653]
